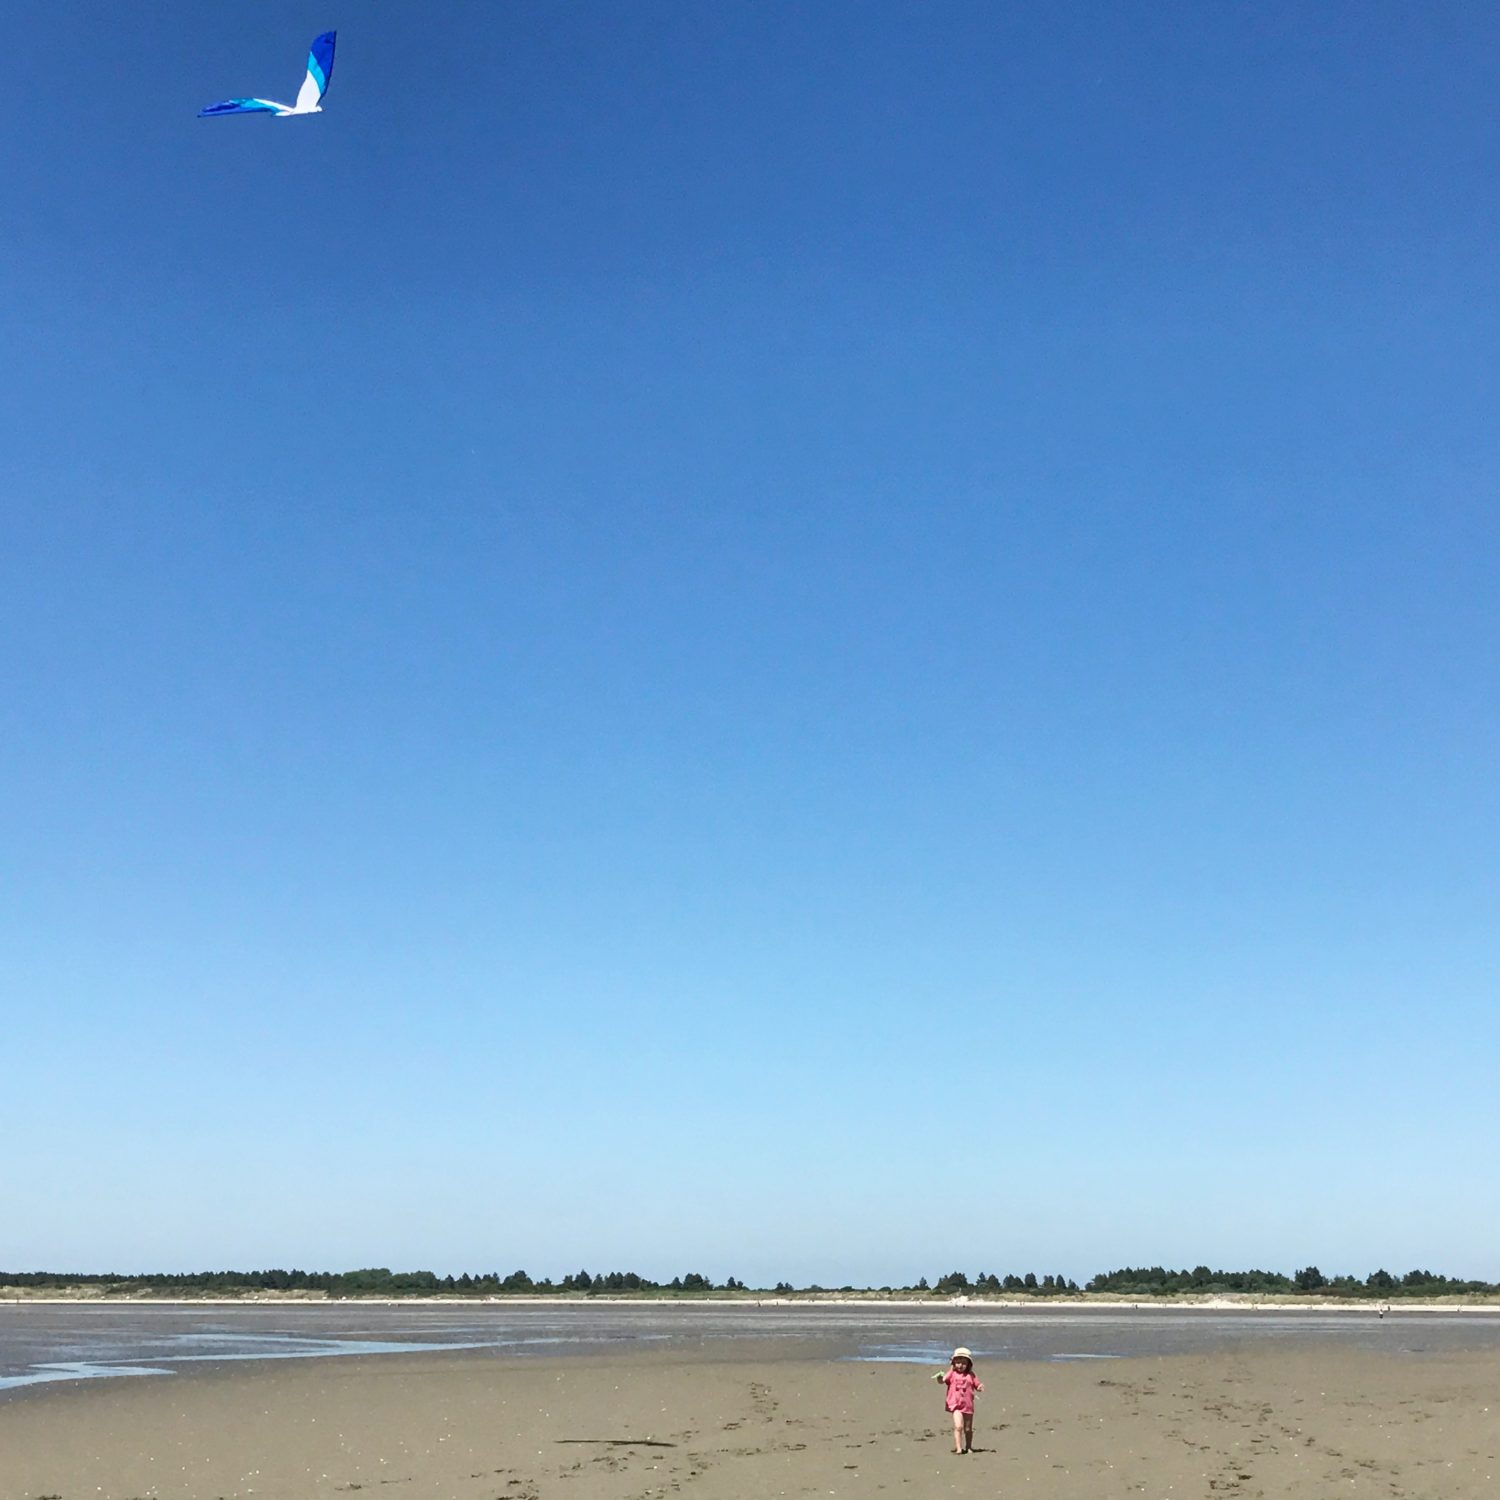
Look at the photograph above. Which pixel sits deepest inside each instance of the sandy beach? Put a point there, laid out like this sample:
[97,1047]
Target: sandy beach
[727,1422]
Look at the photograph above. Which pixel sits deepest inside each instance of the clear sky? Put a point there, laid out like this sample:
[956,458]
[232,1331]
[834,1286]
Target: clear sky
[821,640]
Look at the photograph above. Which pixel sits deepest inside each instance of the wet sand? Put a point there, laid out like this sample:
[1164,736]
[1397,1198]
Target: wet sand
[724,1424]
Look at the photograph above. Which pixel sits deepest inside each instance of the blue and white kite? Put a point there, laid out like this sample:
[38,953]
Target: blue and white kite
[309,96]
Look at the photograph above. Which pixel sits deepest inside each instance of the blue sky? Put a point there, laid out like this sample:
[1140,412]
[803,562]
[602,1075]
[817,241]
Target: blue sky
[802,640]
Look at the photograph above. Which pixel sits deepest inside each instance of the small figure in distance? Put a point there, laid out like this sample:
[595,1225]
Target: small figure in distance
[962,1383]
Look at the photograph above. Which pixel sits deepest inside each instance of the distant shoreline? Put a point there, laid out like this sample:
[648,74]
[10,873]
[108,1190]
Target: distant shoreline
[1234,1302]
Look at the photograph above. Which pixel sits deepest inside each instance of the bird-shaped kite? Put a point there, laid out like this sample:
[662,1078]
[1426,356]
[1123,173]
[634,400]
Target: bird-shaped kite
[309,96]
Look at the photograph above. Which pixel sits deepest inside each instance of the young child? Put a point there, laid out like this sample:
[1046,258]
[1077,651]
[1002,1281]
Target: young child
[962,1383]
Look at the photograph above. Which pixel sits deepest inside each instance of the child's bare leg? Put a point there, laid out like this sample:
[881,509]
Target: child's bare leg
[958,1432]
[968,1432]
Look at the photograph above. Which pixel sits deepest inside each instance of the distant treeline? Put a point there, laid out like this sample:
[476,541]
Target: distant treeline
[372,1281]
[1152,1281]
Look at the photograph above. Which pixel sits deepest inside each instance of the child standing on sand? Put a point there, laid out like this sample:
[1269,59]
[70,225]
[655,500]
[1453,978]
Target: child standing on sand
[962,1383]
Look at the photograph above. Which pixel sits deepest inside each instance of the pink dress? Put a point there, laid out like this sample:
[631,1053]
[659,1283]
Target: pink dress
[961,1390]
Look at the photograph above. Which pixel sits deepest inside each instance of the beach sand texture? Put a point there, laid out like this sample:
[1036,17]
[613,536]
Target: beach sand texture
[1314,1424]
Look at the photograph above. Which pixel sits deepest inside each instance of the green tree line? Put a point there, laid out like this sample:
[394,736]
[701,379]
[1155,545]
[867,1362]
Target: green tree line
[380,1281]
[1155,1281]
[369,1281]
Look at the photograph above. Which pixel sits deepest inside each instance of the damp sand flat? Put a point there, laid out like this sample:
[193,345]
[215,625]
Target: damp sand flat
[50,1343]
[1285,1421]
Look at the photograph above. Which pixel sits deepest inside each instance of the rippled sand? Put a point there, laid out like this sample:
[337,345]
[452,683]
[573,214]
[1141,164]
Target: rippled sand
[716,1424]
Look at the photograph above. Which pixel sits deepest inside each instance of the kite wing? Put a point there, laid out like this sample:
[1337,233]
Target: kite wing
[319,71]
[314,86]
[245,107]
